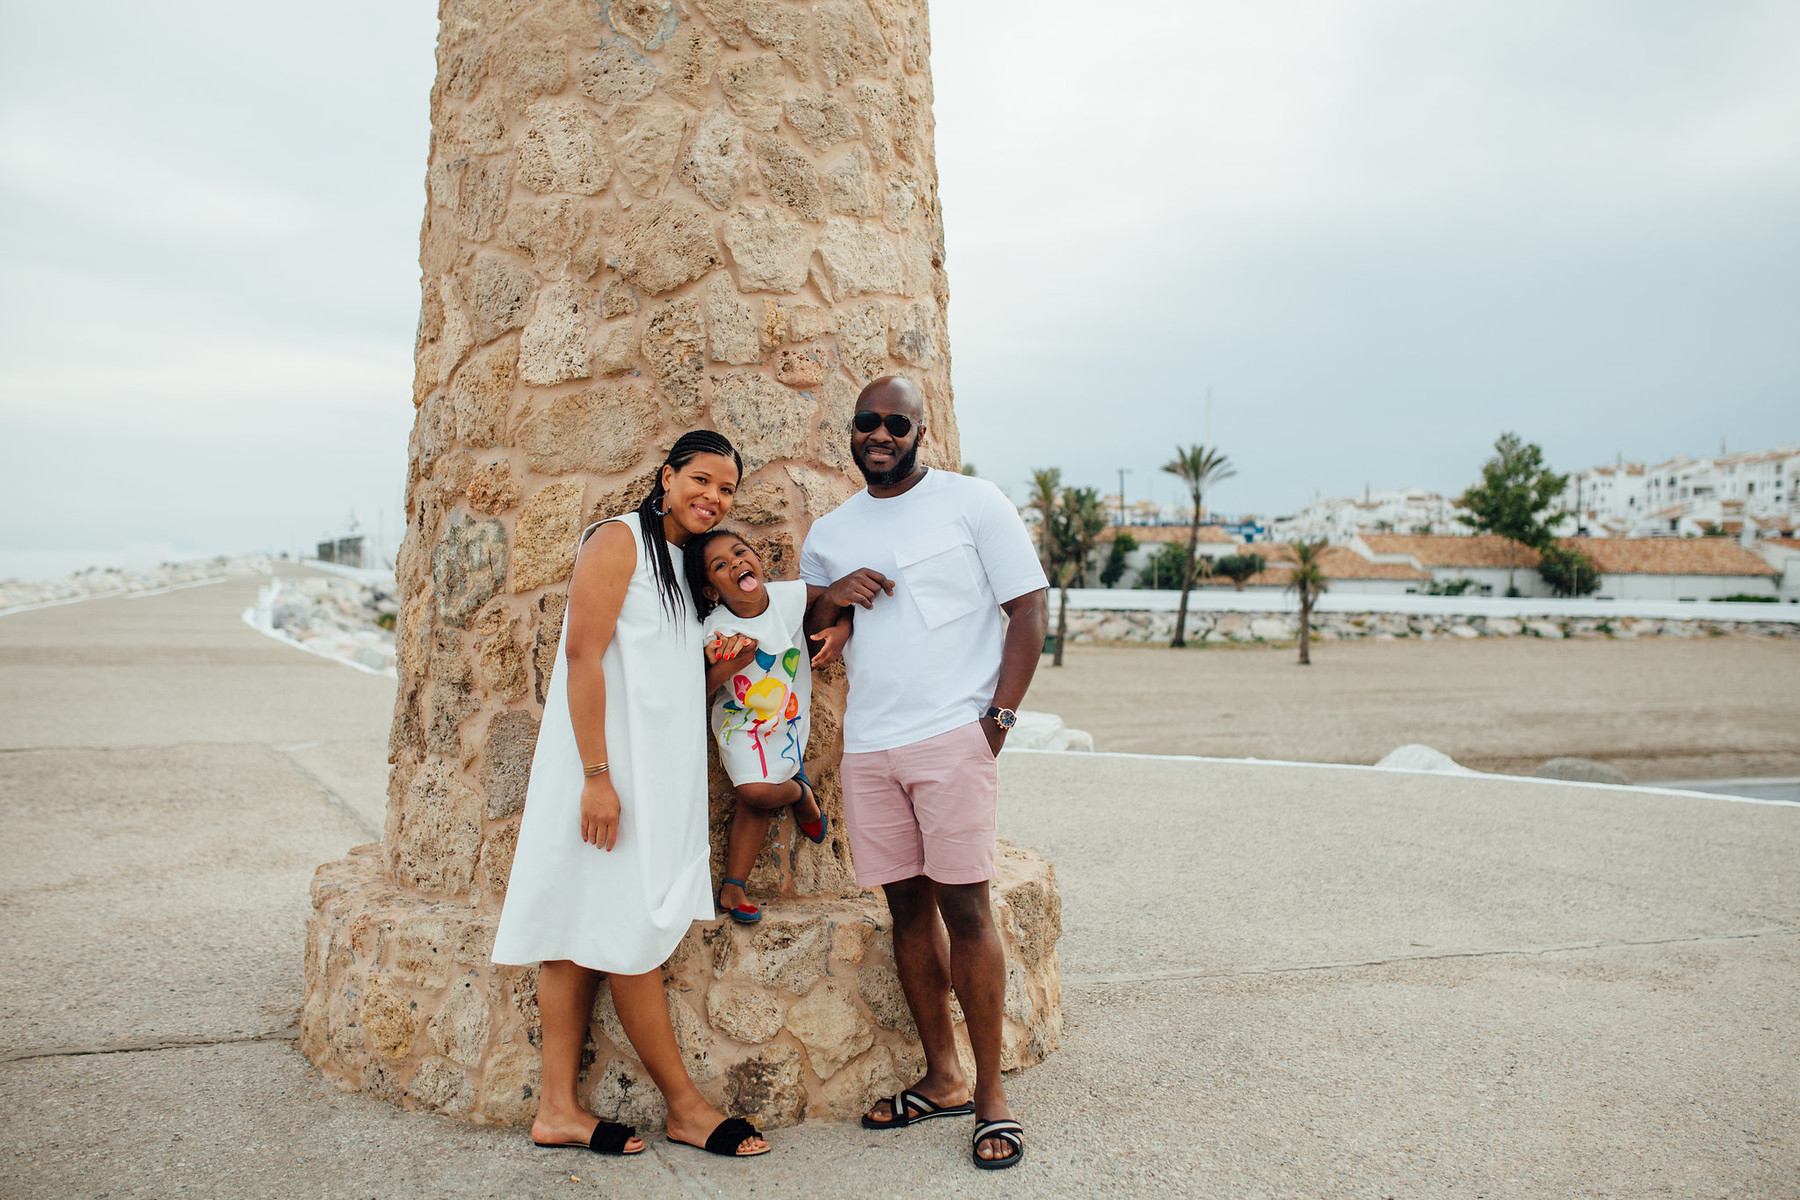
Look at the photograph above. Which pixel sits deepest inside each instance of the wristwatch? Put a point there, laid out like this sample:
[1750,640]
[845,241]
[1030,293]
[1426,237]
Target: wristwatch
[1005,718]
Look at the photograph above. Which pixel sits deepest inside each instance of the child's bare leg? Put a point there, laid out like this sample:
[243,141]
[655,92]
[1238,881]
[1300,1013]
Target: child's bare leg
[749,826]
[772,796]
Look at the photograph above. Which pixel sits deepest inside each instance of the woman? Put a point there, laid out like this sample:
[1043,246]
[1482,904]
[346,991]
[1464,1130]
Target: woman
[613,866]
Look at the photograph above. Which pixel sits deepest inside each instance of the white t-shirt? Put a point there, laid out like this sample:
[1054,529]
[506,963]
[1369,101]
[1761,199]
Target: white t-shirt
[761,716]
[925,660]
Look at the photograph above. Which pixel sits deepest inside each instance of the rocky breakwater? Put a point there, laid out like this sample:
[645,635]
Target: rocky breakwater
[643,216]
[1089,626]
[97,583]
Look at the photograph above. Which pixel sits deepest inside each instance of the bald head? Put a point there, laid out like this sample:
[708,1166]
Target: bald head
[893,394]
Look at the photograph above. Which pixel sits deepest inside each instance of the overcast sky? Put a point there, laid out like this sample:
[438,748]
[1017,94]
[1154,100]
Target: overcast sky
[1382,232]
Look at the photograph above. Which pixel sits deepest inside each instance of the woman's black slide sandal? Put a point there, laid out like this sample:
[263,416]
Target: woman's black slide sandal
[609,1138]
[909,1108]
[726,1137]
[1006,1130]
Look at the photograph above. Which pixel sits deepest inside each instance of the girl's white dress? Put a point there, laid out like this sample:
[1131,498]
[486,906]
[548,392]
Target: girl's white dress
[761,717]
[627,909]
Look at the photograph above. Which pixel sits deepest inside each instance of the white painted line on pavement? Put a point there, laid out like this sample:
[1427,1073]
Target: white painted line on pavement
[1464,774]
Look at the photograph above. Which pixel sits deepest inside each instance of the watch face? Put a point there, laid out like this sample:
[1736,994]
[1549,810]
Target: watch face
[1006,718]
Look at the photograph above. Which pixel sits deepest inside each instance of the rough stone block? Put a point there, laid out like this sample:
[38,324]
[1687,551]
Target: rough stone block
[851,185]
[674,346]
[460,1028]
[622,1091]
[726,17]
[511,1084]
[649,23]
[600,430]
[764,420]
[499,290]
[831,1027]
[646,138]
[467,566]
[506,760]
[821,119]
[760,502]
[753,89]
[748,1014]
[731,327]
[564,149]
[492,488]
[770,251]
[481,392]
[497,850]
[853,1091]
[553,347]
[768,1086]
[664,244]
[850,41]
[859,260]
[782,28]
[789,177]
[717,160]
[389,1018]
[422,945]
[618,74]
[440,831]
[692,55]
[442,1086]
[543,548]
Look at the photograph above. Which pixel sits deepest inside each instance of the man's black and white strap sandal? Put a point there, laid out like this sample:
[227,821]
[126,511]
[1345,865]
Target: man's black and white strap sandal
[909,1108]
[1008,1131]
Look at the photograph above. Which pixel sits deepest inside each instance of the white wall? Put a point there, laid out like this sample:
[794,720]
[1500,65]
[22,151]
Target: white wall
[1682,587]
[1276,600]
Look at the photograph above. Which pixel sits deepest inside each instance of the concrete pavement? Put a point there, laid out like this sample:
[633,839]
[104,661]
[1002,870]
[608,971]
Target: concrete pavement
[1278,980]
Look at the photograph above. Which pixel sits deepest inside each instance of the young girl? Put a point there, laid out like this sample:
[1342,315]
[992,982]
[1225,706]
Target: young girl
[759,677]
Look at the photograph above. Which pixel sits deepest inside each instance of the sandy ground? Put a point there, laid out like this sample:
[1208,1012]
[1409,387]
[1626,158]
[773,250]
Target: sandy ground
[1657,709]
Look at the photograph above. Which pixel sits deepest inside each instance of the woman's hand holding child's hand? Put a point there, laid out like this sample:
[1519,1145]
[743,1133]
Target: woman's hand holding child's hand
[734,648]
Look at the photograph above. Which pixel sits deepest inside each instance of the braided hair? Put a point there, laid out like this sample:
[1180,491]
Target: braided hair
[688,447]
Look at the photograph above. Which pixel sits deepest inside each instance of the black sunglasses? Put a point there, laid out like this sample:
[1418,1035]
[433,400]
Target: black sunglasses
[868,422]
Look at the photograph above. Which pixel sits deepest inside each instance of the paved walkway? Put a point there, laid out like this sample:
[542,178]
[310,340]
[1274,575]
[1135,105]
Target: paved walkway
[1278,980]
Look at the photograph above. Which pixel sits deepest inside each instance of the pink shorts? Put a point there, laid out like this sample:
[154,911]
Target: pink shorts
[925,809]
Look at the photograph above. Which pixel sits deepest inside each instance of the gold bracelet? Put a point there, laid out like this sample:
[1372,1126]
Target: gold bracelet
[596,769]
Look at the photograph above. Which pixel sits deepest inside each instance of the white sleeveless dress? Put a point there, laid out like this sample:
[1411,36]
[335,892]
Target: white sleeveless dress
[625,910]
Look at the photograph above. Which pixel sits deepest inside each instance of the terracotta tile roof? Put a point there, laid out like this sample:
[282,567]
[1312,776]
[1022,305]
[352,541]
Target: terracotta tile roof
[1669,556]
[1451,550]
[1178,534]
[1338,562]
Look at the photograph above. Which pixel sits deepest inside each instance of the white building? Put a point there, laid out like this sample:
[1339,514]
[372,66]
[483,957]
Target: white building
[1339,520]
[1756,493]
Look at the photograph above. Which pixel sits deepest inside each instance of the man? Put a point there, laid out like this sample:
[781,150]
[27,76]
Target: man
[931,559]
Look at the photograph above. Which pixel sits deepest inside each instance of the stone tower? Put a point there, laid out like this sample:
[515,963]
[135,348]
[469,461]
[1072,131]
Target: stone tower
[642,216]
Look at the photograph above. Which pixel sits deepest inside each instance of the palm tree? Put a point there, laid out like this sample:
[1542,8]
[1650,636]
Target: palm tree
[1046,491]
[1308,579]
[1076,525]
[1199,467]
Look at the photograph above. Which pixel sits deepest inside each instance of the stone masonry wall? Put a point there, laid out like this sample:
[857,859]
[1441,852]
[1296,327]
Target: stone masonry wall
[642,216]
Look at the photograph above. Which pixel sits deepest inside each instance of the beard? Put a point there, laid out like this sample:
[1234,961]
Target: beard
[903,467]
